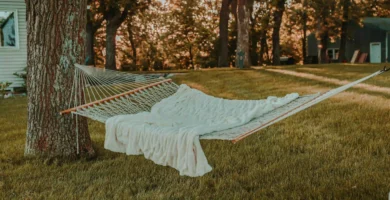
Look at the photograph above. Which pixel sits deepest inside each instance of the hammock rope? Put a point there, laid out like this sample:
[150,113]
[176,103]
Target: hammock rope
[100,94]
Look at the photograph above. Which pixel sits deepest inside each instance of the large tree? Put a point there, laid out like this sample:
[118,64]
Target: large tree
[344,28]
[304,20]
[277,15]
[244,12]
[324,15]
[56,41]
[188,34]
[264,21]
[94,22]
[223,59]
[114,14]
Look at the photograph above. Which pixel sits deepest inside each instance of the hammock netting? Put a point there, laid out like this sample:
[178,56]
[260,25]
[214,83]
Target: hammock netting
[134,108]
[100,93]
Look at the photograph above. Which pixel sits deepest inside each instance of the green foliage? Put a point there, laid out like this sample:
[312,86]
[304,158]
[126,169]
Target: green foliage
[177,34]
[4,86]
[22,75]
[184,34]
[190,34]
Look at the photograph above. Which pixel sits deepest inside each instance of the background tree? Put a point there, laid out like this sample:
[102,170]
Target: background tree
[223,60]
[327,20]
[243,27]
[94,22]
[233,32]
[265,7]
[277,16]
[304,20]
[344,29]
[185,34]
[296,25]
[114,18]
[131,36]
[189,34]
[50,61]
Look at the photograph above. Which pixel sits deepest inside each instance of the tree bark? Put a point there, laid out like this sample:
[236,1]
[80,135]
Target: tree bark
[56,41]
[233,33]
[278,14]
[114,18]
[191,57]
[223,60]
[254,39]
[243,12]
[304,31]
[263,38]
[324,34]
[263,46]
[90,53]
[344,29]
[111,46]
[92,27]
[233,9]
[324,46]
[132,43]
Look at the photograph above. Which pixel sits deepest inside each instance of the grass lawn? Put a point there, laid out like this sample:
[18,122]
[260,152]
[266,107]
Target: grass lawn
[338,149]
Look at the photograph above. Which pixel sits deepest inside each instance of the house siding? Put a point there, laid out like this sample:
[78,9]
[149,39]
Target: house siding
[14,59]
[359,39]
[362,39]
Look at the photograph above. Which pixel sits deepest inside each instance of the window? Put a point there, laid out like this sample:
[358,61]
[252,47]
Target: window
[8,29]
[333,53]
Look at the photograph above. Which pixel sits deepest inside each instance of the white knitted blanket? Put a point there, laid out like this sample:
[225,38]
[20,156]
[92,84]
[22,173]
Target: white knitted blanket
[169,134]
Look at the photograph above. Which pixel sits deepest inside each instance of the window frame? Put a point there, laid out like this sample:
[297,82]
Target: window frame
[333,52]
[16,19]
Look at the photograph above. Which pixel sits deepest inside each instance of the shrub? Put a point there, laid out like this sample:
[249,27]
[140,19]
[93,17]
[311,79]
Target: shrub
[23,75]
[3,87]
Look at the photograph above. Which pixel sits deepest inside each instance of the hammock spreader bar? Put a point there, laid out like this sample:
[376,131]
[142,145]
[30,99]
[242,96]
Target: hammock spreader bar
[108,99]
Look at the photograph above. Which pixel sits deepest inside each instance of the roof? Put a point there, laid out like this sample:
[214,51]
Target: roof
[6,20]
[381,23]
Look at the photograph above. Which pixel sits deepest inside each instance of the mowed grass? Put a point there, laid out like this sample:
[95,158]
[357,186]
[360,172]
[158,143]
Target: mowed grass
[338,149]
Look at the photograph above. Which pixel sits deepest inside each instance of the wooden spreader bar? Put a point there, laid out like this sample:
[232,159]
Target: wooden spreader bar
[114,97]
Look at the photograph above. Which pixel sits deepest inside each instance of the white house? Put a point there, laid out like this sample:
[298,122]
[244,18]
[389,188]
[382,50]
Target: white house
[13,40]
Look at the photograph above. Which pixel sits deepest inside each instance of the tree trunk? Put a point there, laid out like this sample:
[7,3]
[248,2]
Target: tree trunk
[324,46]
[191,57]
[223,34]
[263,38]
[324,34]
[254,39]
[278,14]
[304,30]
[132,43]
[92,27]
[56,41]
[233,33]
[233,9]
[111,46]
[263,46]
[90,53]
[114,18]
[344,29]
[254,57]
[243,31]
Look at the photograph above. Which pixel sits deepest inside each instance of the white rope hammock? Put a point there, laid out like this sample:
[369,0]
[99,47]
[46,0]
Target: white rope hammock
[100,94]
